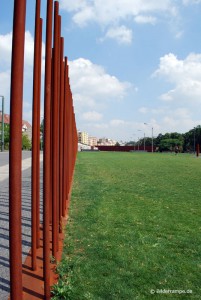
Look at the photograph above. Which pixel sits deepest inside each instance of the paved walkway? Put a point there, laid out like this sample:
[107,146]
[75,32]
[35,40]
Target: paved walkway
[4,217]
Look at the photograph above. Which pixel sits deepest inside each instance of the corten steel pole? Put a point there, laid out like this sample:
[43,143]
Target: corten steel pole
[71,142]
[70,148]
[58,128]
[15,153]
[61,117]
[2,129]
[2,125]
[75,138]
[71,137]
[34,185]
[55,141]
[47,154]
[68,143]
[38,140]
[51,135]
[65,140]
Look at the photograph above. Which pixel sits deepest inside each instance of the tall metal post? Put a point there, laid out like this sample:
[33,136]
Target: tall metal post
[47,145]
[65,144]
[2,125]
[152,142]
[38,138]
[34,187]
[15,153]
[55,140]
[61,125]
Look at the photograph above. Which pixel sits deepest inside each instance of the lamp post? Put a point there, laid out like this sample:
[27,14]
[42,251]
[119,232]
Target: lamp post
[152,137]
[2,124]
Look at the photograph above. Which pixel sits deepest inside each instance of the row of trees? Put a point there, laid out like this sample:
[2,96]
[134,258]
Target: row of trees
[168,141]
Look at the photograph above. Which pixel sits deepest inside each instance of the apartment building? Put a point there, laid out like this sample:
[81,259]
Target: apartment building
[92,141]
[106,142]
[83,137]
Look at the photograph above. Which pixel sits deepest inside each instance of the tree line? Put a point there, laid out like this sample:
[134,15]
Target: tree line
[186,142]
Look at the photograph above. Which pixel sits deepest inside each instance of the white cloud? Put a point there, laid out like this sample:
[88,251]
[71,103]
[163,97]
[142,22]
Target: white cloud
[6,46]
[121,34]
[91,85]
[145,19]
[92,116]
[5,50]
[184,75]
[93,91]
[112,15]
[113,11]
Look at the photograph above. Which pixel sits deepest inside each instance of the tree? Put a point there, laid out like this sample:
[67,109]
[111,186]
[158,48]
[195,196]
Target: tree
[168,144]
[26,143]
[42,126]
[6,135]
[130,143]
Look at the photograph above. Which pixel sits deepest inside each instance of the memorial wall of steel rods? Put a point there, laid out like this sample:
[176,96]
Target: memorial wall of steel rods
[59,142]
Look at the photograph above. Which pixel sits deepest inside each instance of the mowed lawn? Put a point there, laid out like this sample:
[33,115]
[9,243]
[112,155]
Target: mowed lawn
[134,228]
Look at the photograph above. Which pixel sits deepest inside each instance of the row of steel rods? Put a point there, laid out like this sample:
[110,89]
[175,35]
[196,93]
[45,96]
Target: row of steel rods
[59,143]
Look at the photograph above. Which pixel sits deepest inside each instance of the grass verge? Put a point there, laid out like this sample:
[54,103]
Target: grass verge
[134,228]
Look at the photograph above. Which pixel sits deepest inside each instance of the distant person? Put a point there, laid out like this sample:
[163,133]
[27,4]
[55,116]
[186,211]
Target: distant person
[176,149]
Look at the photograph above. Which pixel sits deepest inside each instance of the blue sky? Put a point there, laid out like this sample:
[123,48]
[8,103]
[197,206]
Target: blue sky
[131,62]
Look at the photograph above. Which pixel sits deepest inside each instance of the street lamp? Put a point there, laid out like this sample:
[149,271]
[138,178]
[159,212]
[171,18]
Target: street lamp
[2,126]
[152,137]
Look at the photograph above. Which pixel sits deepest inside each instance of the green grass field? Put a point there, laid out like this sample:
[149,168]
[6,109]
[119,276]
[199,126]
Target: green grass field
[134,228]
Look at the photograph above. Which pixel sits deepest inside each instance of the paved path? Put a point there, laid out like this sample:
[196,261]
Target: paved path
[4,219]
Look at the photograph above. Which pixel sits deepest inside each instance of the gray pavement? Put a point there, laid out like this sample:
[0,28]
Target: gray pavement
[4,216]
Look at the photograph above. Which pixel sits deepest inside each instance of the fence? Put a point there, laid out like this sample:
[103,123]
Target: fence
[126,148]
[60,143]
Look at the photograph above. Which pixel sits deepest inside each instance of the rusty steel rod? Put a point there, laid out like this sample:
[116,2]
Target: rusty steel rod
[58,128]
[67,136]
[51,135]
[15,153]
[34,185]
[55,140]
[65,145]
[61,112]
[47,153]
[38,140]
